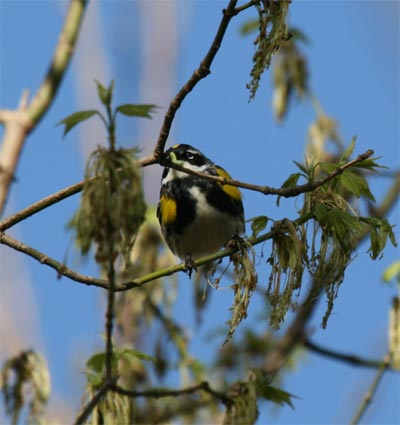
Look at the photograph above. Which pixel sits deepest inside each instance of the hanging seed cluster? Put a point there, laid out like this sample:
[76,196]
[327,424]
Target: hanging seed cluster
[112,205]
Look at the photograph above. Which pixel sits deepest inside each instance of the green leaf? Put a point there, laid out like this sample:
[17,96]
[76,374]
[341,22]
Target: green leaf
[276,395]
[348,151]
[380,231]
[105,94]
[328,167]
[291,181]
[130,352]
[72,120]
[131,110]
[258,224]
[95,369]
[369,164]
[303,168]
[356,184]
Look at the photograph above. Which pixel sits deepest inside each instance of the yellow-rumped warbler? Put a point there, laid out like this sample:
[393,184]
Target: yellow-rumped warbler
[197,215]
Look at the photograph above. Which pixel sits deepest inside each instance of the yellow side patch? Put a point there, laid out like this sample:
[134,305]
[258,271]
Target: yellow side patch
[167,210]
[232,191]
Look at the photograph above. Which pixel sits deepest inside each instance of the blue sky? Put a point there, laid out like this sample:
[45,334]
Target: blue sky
[353,59]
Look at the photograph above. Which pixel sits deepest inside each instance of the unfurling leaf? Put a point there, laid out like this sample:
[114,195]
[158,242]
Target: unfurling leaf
[348,151]
[258,224]
[291,181]
[72,120]
[131,110]
[276,395]
[105,94]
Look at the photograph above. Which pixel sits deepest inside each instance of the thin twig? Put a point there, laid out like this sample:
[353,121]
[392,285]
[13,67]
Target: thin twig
[246,6]
[111,250]
[343,357]
[201,72]
[88,408]
[371,392]
[162,392]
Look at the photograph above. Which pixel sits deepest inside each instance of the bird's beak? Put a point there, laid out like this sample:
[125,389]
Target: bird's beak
[174,159]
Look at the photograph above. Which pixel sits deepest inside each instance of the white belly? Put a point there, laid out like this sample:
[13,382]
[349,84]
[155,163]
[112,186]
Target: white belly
[209,232]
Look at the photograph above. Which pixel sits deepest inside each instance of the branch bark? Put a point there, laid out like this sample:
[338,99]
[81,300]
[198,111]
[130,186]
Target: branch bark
[19,123]
[346,358]
[201,72]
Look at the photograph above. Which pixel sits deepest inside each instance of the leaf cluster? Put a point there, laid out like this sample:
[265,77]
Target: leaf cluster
[322,240]
[112,206]
[96,365]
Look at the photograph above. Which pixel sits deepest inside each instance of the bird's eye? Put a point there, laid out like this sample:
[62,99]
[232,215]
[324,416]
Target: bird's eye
[189,155]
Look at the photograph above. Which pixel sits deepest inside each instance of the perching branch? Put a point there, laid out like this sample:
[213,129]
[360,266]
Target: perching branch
[285,192]
[63,270]
[19,123]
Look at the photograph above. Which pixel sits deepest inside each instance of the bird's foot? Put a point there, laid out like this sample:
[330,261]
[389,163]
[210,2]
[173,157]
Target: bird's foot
[190,265]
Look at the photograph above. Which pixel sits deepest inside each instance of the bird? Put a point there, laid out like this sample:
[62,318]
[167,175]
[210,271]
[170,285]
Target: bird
[198,216]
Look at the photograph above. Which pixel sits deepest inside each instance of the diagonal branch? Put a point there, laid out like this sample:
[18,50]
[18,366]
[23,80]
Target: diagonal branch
[347,358]
[18,124]
[201,72]
[371,391]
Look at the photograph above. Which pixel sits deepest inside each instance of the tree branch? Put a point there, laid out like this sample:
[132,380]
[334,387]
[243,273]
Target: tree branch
[55,198]
[287,192]
[371,392]
[18,124]
[63,270]
[149,160]
[160,392]
[201,72]
[347,358]
[88,409]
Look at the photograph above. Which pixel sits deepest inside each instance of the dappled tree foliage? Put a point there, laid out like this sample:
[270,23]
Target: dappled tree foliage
[307,257]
